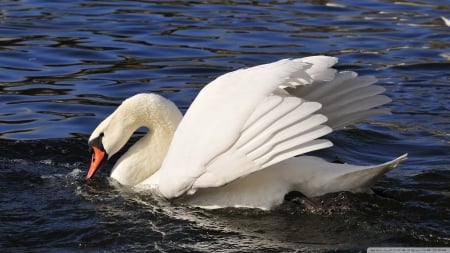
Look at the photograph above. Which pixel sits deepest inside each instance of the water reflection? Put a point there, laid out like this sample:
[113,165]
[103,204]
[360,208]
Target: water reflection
[82,58]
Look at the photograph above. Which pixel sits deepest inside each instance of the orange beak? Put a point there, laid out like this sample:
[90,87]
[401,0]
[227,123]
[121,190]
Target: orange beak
[97,158]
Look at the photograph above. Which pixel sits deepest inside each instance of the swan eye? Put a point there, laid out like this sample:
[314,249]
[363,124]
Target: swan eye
[97,142]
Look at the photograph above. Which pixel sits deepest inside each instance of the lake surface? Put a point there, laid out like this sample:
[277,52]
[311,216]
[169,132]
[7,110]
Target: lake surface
[65,65]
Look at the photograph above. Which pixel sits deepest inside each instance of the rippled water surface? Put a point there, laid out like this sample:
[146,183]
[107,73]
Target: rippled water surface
[65,65]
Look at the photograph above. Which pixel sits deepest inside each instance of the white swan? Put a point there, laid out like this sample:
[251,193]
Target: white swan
[236,144]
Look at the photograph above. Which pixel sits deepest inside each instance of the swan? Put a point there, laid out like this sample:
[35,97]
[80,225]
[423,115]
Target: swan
[243,139]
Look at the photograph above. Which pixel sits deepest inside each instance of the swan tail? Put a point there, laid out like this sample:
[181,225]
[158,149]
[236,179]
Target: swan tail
[346,99]
[361,180]
[325,177]
[312,176]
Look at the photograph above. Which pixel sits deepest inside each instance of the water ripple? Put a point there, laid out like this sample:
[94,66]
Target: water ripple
[65,65]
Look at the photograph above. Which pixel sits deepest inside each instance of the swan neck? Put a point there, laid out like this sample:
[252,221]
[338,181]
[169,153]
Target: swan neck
[145,157]
[152,111]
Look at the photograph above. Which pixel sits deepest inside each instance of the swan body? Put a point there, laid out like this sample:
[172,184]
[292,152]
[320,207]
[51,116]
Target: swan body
[312,176]
[237,143]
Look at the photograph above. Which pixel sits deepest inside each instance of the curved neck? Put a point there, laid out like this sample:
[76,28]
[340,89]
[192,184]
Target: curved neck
[145,157]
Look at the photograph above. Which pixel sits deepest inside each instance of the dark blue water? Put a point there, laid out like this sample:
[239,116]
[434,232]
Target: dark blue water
[65,65]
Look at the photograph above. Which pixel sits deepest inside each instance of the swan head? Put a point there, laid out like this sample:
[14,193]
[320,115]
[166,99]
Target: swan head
[149,110]
[113,132]
[106,140]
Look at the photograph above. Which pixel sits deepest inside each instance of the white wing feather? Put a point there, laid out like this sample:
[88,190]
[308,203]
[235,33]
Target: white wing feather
[223,118]
[346,99]
[287,130]
[249,119]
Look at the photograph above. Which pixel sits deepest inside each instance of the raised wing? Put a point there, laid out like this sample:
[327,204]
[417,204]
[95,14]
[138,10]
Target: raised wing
[288,129]
[239,123]
[347,98]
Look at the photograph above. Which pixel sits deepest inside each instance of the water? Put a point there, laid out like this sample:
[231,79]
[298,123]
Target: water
[65,65]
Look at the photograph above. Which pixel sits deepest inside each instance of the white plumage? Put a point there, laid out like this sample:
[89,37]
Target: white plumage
[236,144]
